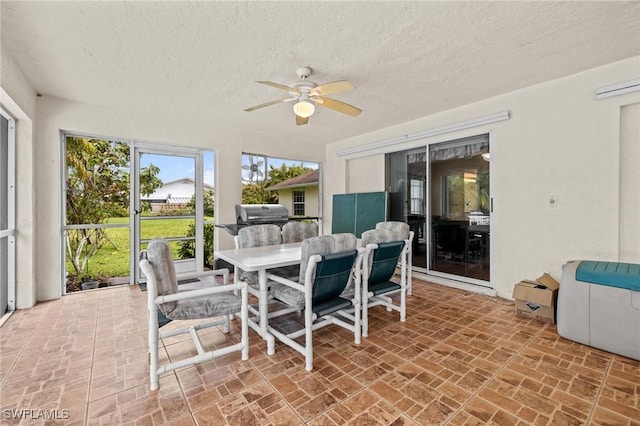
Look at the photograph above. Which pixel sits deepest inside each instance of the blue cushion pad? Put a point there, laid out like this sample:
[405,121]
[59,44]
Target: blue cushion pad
[331,306]
[384,287]
[613,274]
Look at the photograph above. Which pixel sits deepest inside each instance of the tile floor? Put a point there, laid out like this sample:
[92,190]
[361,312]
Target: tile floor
[460,359]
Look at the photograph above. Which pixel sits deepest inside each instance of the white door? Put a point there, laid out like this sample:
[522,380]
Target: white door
[175,210]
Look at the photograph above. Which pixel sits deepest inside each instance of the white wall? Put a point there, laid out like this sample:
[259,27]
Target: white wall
[629,181]
[363,174]
[560,141]
[19,99]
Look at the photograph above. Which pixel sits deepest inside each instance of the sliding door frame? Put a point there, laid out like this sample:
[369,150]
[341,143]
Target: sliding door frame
[8,233]
[137,149]
[424,144]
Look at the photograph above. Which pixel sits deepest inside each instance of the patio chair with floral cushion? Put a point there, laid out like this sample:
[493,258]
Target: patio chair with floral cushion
[295,232]
[213,303]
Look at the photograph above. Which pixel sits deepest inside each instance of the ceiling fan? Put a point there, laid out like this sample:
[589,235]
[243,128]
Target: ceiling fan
[307,93]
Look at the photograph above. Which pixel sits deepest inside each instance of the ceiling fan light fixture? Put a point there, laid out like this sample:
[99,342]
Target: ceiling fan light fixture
[304,94]
[304,109]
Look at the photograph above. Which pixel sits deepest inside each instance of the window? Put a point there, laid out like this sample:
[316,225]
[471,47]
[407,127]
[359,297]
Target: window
[417,196]
[464,193]
[298,203]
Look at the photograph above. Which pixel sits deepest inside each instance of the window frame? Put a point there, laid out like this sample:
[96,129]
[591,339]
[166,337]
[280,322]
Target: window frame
[296,203]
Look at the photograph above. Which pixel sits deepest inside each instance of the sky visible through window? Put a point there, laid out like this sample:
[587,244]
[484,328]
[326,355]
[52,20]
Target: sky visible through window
[175,167]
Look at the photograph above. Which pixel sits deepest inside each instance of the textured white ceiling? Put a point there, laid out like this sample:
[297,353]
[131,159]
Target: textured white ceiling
[196,62]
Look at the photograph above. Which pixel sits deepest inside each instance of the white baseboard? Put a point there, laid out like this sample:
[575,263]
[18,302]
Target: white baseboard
[455,284]
[5,317]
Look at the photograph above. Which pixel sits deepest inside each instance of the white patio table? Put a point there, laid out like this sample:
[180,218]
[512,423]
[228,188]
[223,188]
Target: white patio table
[260,259]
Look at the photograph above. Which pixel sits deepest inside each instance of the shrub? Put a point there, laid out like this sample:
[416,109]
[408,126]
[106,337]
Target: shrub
[187,250]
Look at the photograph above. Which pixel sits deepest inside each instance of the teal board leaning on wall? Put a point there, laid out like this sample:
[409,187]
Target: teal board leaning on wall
[358,212]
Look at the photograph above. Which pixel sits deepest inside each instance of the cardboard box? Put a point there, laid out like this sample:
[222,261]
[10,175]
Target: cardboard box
[537,299]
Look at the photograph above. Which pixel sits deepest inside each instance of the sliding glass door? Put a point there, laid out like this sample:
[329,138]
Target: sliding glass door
[459,208]
[406,176]
[442,192]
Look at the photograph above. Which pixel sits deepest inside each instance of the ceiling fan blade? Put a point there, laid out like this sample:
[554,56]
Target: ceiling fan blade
[332,87]
[301,120]
[280,86]
[338,106]
[266,104]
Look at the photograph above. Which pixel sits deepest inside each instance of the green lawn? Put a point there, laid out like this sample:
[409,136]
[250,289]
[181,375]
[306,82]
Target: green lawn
[112,259]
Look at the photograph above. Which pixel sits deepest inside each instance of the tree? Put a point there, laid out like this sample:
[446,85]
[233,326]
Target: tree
[97,186]
[257,193]
[207,202]
[149,182]
[284,172]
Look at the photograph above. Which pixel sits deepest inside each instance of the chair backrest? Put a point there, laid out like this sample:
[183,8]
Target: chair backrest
[383,260]
[323,245]
[259,235]
[162,277]
[294,232]
[256,236]
[380,235]
[332,275]
[402,229]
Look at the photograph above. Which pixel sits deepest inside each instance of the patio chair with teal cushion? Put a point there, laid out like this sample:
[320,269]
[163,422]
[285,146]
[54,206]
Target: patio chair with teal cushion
[328,270]
[207,301]
[383,252]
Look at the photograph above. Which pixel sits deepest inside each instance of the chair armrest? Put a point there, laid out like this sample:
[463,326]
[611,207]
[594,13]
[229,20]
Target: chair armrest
[183,295]
[285,281]
[216,272]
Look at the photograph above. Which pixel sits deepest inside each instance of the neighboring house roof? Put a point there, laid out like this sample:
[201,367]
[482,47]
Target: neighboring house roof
[175,189]
[170,200]
[306,179]
[185,179]
[178,200]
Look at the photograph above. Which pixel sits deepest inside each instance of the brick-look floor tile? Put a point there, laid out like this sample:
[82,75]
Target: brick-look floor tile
[459,359]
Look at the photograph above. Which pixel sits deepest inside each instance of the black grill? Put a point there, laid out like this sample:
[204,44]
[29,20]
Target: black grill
[257,214]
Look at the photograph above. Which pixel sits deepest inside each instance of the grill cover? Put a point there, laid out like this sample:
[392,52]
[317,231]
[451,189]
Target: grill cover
[255,214]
